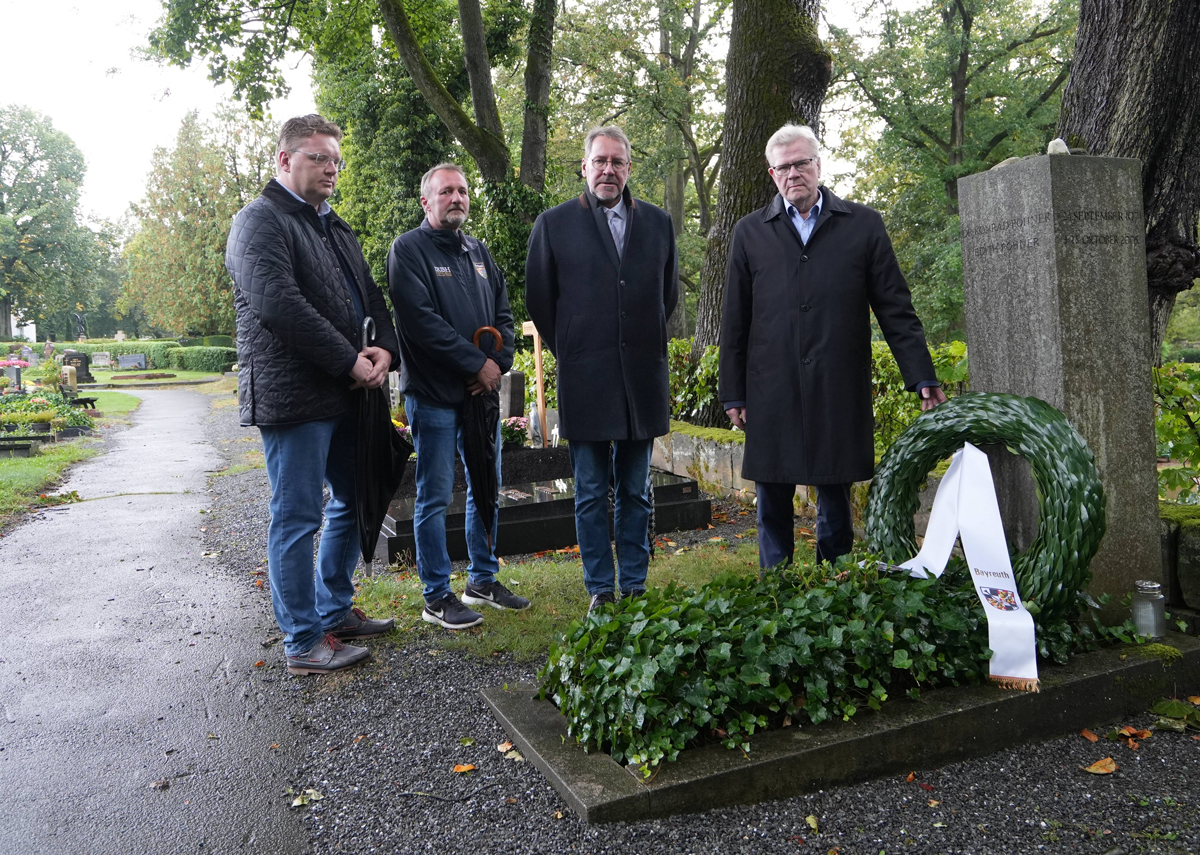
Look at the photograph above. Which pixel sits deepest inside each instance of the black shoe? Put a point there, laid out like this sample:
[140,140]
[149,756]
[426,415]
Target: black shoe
[450,613]
[633,594]
[326,656]
[495,595]
[601,599]
[357,625]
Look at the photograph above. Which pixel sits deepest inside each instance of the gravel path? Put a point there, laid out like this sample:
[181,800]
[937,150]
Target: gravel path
[380,746]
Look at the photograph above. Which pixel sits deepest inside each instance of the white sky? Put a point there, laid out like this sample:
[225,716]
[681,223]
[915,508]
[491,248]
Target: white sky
[73,61]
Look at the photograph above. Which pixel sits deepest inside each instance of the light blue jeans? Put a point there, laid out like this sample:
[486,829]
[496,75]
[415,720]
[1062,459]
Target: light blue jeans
[626,462]
[437,434]
[301,458]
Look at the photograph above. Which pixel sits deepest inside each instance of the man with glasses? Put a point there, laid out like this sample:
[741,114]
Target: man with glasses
[804,273]
[302,291]
[600,282]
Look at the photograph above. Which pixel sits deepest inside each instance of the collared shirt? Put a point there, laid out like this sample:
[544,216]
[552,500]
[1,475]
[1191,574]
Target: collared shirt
[804,225]
[616,217]
[321,211]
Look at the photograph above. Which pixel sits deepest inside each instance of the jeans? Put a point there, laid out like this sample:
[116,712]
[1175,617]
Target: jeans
[437,434]
[626,464]
[300,459]
[777,536]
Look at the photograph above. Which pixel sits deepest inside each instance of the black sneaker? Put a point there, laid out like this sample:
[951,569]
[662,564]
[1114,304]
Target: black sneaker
[357,625]
[633,594]
[450,613]
[326,656]
[601,599]
[495,595]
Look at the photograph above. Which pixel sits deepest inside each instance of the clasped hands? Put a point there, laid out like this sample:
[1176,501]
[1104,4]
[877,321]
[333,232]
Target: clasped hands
[370,370]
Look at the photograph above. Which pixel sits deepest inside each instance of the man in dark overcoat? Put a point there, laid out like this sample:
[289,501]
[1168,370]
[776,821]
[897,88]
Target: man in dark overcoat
[804,273]
[302,291]
[601,280]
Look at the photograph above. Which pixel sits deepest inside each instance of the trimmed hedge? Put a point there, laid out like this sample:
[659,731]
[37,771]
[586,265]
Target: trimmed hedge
[156,351]
[211,359]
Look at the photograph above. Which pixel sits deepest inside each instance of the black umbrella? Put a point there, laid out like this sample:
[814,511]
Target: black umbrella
[481,420]
[382,456]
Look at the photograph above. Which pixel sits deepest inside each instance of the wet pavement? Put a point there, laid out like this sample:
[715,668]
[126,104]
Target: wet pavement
[135,719]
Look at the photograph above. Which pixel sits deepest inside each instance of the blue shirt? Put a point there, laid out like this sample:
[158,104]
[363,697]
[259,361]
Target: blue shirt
[805,225]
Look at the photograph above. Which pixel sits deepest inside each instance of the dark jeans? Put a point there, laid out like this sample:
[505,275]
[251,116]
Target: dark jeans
[776,534]
[625,463]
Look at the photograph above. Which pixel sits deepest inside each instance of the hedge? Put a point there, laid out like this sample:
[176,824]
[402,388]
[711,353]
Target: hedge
[211,359]
[156,351]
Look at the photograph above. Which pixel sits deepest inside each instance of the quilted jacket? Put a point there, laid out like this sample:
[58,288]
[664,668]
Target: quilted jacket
[297,335]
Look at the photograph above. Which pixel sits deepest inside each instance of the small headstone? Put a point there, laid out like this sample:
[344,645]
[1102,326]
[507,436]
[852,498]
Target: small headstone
[512,394]
[131,360]
[120,336]
[27,353]
[80,362]
[68,379]
[13,373]
[102,359]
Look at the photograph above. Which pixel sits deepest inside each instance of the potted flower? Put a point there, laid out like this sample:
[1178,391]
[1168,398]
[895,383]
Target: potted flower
[513,432]
[5,382]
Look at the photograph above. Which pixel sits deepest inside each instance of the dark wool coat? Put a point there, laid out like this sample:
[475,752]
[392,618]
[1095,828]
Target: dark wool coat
[796,340]
[605,316]
[297,331]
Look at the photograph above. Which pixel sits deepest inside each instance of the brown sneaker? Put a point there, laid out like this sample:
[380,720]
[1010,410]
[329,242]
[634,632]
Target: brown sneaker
[327,655]
[358,625]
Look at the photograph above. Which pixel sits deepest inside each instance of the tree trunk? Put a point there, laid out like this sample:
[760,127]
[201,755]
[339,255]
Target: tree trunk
[1134,91]
[776,71]
[6,316]
[537,94]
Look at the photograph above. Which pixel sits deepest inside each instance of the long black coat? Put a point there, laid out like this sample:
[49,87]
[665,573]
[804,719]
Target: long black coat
[605,316]
[297,333]
[796,340]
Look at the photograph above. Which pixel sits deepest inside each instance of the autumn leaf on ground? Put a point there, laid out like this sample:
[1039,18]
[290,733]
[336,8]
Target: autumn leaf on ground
[1131,744]
[1102,767]
[811,821]
[259,663]
[504,746]
[1194,699]
[515,756]
[926,787]
[463,767]
[933,803]
[911,777]
[558,814]
[1088,735]
[467,741]
[307,797]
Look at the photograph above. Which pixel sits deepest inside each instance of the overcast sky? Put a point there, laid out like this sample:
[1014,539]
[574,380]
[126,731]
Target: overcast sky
[73,61]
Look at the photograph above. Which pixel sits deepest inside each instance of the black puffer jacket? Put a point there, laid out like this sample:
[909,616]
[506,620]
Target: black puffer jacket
[297,335]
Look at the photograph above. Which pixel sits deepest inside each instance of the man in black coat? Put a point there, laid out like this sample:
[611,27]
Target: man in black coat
[795,373]
[302,291]
[445,287]
[601,280]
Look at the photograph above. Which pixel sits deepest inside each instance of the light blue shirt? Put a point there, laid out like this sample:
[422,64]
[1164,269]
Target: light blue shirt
[805,225]
[321,211]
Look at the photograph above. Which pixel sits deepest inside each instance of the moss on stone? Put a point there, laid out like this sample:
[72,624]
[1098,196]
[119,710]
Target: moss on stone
[711,434]
[1179,514]
[1163,652]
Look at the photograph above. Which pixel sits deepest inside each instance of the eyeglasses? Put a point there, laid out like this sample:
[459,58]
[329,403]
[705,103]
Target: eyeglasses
[617,163]
[319,158]
[798,165]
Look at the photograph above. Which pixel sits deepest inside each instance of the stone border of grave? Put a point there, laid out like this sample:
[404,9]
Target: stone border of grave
[1092,690]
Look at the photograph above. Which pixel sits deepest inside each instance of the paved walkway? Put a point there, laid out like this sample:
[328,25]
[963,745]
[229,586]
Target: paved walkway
[128,661]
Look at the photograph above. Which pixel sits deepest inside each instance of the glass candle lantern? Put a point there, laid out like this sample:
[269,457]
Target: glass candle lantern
[1149,612]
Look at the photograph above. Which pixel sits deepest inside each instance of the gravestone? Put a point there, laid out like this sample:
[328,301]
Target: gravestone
[102,359]
[27,354]
[1054,272]
[131,360]
[120,336]
[80,362]
[512,394]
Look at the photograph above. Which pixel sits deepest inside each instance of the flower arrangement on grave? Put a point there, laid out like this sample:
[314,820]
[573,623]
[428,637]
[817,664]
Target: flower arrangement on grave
[402,429]
[13,363]
[514,430]
[5,381]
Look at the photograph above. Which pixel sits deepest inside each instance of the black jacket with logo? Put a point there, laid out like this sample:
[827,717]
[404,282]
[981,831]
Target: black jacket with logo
[445,286]
[297,334]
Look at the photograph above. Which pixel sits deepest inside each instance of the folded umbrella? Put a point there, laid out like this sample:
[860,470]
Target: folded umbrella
[481,421]
[382,455]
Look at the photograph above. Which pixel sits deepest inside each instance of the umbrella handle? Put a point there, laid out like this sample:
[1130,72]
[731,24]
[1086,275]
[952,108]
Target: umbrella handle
[368,330]
[499,339]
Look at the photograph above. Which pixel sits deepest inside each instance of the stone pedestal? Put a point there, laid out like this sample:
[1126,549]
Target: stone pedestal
[1054,269]
[512,394]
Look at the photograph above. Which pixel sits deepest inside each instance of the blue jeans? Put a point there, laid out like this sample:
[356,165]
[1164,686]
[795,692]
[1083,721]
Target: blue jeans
[626,464]
[300,459]
[777,536]
[437,434]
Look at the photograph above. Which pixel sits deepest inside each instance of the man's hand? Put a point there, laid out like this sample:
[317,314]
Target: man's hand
[370,371]
[737,415]
[931,396]
[487,380]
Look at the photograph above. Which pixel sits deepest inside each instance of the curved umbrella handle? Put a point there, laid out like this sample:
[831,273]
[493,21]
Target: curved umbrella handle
[368,330]
[499,339]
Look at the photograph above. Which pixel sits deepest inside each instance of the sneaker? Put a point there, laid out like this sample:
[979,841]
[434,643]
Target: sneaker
[601,599]
[495,595]
[326,656]
[633,594]
[450,613]
[358,625]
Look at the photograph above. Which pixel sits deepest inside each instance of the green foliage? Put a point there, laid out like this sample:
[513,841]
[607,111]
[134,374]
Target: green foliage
[219,341]
[503,222]
[157,352]
[1177,429]
[894,407]
[691,390]
[523,362]
[41,406]
[512,430]
[215,360]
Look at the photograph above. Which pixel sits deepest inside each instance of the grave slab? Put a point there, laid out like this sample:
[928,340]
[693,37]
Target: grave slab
[1093,690]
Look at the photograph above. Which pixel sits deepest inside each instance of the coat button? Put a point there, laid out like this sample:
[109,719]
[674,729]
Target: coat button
[806,361]
[624,315]
[804,258]
[622,283]
[804,308]
[622,344]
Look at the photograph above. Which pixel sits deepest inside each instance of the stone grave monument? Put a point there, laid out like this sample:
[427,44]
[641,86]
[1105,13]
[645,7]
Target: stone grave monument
[131,360]
[1054,272]
[102,359]
[512,394]
[81,363]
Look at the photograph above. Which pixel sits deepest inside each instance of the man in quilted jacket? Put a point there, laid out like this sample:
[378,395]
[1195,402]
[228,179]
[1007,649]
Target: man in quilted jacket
[302,291]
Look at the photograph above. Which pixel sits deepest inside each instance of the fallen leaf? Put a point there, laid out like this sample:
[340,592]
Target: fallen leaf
[933,803]
[463,767]
[911,776]
[274,745]
[939,825]
[1088,735]
[811,822]
[213,736]
[1194,699]
[558,814]
[504,746]
[467,741]
[1131,743]
[927,787]
[1141,734]
[1102,767]
[1173,724]
[1127,731]
[515,756]
[510,801]
[258,583]
[259,663]
[716,539]
[787,721]
[307,797]
[160,785]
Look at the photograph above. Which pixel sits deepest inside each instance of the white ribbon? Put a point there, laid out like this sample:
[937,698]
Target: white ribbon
[965,507]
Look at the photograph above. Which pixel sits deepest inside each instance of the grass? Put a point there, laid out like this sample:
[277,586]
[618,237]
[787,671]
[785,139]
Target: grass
[23,479]
[116,404]
[103,376]
[554,584]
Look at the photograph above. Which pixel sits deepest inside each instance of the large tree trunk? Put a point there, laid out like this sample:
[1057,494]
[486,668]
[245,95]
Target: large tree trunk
[776,71]
[6,316]
[537,94]
[1134,91]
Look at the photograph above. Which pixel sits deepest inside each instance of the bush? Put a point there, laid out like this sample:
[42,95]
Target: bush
[218,341]
[156,351]
[211,359]
[523,362]
[41,406]
[894,407]
[1177,429]
[691,391]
